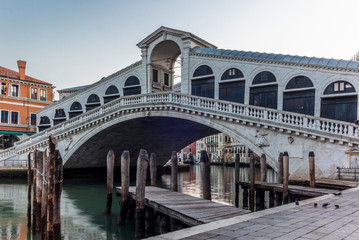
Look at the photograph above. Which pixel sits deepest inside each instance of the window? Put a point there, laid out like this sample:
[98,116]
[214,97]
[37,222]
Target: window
[342,102]
[44,123]
[231,87]
[34,93]
[14,117]
[155,75]
[167,79]
[111,94]
[4,116]
[60,116]
[15,90]
[42,94]
[132,86]
[301,97]
[93,101]
[264,95]
[3,88]
[203,82]
[33,119]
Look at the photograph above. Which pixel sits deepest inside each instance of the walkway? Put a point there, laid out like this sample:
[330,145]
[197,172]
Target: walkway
[185,208]
[287,222]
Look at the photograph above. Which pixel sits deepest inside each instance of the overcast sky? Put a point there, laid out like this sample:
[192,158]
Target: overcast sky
[77,42]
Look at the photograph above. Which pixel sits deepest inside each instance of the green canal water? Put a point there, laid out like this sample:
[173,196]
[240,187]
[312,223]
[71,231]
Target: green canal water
[83,203]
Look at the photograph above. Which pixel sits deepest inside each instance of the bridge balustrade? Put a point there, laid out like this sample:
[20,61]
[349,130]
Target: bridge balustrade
[289,119]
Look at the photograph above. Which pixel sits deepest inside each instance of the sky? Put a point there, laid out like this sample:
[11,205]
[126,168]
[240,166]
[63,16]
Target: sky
[77,42]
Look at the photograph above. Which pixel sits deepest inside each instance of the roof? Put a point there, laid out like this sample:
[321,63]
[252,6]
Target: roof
[325,62]
[182,34]
[73,88]
[8,73]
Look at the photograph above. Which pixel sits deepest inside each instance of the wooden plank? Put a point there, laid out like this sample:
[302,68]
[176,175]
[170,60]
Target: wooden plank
[185,208]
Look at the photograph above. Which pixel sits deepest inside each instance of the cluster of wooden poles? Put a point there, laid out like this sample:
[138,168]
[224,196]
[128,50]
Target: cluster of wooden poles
[47,187]
[144,216]
[257,195]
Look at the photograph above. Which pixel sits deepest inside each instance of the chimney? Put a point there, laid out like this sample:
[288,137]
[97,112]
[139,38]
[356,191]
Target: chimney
[22,65]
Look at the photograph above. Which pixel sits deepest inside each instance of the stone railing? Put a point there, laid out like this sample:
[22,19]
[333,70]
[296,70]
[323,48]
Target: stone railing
[287,120]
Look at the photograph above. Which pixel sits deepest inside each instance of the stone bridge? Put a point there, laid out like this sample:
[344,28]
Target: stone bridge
[166,121]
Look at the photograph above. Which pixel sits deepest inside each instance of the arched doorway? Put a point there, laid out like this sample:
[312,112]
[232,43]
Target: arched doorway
[264,90]
[165,66]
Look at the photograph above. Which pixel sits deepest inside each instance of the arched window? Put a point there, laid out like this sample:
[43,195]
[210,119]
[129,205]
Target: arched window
[203,82]
[266,93]
[111,94]
[44,123]
[299,96]
[60,116]
[93,101]
[231,87]
[132,86]
[75,109]
[340,102]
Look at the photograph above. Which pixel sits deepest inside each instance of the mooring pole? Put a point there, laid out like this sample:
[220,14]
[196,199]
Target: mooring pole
[125,183]
[141,175]
[110,166]
[39,184]
[311,169]
[205,175]
[153,169]
[236,180]
[252,182]
[44,196]
[285,176]
[280,168]
[174,171]
[34,193]
[29,190]
[51,190]
[57,197]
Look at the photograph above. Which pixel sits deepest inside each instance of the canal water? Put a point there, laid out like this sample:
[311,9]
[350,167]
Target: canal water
[83,203]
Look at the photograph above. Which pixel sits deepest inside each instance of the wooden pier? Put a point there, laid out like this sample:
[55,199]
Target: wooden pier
[185,208]
[292,189]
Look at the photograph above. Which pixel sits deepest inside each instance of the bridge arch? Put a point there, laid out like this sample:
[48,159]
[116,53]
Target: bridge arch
[209,126]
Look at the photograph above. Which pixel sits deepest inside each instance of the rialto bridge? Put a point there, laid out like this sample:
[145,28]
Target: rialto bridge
[269,102]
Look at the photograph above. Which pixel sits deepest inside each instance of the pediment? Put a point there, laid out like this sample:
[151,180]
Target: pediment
[162,32]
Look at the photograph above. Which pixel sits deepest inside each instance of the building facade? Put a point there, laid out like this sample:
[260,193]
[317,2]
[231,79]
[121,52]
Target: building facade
[21,97]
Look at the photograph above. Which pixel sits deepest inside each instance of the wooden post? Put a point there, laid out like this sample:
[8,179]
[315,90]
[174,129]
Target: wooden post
[141,175]
[271,199]
[125,183]
[110,166]
[39,183]
[263,162]
[280,168]
[174,172]
[311,169]
[44,196]
[252,183]
[57,197]
[50,189]
[245,197]
[34,194]
[205,175]
[285,176]
[29,190]
[236,181]
[153,169]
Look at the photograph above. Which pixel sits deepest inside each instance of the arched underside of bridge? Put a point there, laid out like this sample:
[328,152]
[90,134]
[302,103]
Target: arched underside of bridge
[160,135]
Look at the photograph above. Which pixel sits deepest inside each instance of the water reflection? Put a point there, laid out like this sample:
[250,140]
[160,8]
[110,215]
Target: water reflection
[83,203]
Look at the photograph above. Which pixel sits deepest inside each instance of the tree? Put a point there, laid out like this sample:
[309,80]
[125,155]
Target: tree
[355,57]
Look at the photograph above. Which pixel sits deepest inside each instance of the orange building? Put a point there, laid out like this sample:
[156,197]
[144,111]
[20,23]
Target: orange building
[21,97]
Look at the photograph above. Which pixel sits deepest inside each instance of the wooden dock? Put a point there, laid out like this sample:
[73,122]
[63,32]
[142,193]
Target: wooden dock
[293,189]
[185,208]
